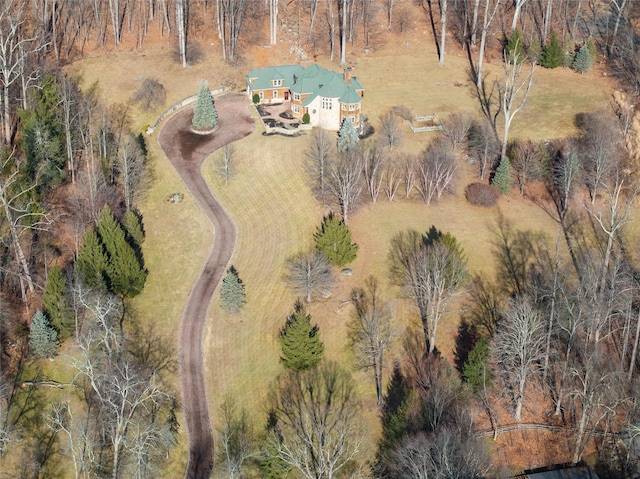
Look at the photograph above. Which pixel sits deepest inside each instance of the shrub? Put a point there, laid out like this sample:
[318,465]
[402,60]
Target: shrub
[151,94]
[306,119]
[403,112]
[481,194]
[256,98]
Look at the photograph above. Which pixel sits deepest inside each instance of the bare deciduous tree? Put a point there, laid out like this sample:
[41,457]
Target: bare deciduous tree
[370,331]
[518,346]
[317,420]
[436,171]
[236,439]
[320,153]
[526,160]
[390,134]
[456,128]
[432,271]
[513,91]
[131,166]
[309,274]
[373,162]
[226,165]
[344,181]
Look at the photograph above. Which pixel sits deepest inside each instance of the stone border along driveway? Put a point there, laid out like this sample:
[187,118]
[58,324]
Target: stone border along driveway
[187,151]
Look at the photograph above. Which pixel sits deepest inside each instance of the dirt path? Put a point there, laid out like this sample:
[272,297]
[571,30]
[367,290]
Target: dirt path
[187,151]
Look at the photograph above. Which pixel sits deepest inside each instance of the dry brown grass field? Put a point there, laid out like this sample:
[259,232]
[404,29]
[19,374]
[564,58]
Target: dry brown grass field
[276,215]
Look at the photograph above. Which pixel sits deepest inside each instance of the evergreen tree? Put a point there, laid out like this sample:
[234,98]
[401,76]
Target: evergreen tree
[205,116]
[42,136]
[582,62]
[300,341]
[56,305]
[333,238]
[502,176]
[92,261]
[552,53]
[591,46]
[476,371]
[347,136]
[514,49]
[43,338]
[125,272]
[232,293]
[534,52]
[568,54]
[132,224]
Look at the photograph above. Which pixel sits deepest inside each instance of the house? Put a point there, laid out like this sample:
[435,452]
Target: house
[579,471]
[328,97]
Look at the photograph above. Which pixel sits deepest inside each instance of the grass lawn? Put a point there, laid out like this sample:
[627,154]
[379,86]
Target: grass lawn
[276,215]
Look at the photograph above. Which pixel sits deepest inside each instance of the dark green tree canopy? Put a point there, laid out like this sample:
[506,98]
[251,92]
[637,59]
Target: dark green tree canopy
[514,49]
[92,261]
[300,341]
[333,239]
[125,273]
[205,116]
[552,53]
[476,371]
[43,338]
[56,304]
[232,292]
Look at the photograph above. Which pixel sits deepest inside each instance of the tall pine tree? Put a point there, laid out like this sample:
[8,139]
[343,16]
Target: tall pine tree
[232,293]
[43,338]
[56,305]
[92,262]
[333,238]
[552,53]
[300,341]
[124,270]
[347,136]
[205,116]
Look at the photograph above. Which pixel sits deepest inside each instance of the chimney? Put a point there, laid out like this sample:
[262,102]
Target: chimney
[347,75]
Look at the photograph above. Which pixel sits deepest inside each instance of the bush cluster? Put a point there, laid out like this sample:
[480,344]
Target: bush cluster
[481,194]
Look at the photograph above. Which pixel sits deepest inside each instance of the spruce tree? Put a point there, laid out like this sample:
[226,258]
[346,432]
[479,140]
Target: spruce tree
[347,136]
[232,292]
[92,261]
[514,49]
[124,270]
[476,371]
[582,62]
[552,53]
[205,116]
[300,341]
[502,177]
[333,238]
[56,304]
[43,338]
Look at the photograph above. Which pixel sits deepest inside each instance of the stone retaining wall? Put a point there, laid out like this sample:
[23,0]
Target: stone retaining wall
[172,109]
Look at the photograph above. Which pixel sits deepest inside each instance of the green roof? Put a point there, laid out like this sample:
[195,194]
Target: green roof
[313,80]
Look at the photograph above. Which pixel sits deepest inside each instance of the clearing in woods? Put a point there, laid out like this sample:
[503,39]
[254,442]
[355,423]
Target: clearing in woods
[275,213]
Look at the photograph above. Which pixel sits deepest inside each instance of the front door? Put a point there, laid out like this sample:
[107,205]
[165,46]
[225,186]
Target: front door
[286,95]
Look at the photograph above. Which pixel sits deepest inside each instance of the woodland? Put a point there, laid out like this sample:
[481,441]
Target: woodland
[424,359]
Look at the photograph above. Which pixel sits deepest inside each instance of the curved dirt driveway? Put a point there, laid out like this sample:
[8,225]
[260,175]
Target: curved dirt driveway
[187,151]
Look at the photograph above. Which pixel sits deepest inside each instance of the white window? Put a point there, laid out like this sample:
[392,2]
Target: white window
[296,108]
[275,93]
[277,82]
[261,94]
[326,103]
[296,96]
[352,107]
